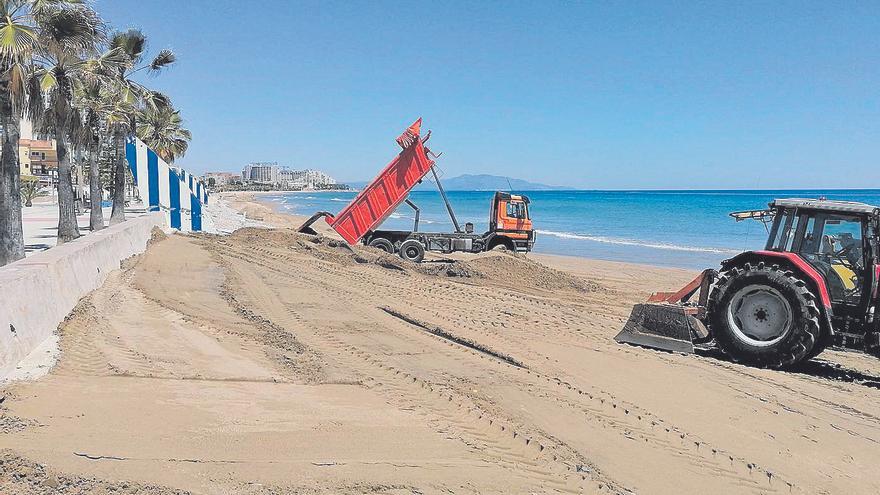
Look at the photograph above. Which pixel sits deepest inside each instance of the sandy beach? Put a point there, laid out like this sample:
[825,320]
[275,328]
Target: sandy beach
[268,362]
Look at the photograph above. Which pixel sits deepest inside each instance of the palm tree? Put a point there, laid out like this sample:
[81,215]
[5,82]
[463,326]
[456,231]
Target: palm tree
[51,98]
[94,93]
[25,25]
[162,130]
[133,98]
[30,189]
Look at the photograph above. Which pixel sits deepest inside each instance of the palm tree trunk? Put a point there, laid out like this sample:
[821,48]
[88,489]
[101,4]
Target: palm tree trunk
[68,229]
[11,233]
[96,196]
[118,213]
[80,179]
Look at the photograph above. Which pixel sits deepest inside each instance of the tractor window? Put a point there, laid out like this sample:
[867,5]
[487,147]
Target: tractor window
[833,244]
[783,232]
[516,209]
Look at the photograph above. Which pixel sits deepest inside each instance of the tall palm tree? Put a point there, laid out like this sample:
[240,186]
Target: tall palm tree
[162,130]
[132,99]
[25,25]
[94,92]
[52,106]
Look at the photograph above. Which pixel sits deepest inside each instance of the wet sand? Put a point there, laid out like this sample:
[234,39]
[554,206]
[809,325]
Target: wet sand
[271,362]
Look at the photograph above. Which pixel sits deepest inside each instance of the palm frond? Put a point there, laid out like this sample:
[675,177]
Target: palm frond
[162,60]
[132,42]
[17,41]
[76,29]
[162,130]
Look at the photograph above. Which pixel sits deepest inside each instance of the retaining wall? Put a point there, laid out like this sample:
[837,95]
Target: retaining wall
[38,292]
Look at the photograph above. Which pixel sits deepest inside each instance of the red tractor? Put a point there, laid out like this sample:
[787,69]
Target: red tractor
[814,285]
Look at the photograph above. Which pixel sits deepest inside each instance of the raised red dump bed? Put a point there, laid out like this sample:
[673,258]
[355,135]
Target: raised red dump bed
[385,193]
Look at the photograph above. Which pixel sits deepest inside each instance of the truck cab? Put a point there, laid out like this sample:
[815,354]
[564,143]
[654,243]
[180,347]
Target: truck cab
[509,222]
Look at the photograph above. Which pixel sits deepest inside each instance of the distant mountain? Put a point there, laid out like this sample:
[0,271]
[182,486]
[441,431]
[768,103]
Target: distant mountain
[479,182]
[485,182]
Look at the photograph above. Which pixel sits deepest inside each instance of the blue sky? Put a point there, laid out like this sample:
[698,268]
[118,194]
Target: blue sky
[595,95]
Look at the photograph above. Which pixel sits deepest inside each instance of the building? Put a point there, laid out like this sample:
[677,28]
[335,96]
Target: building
[220,179]
[269,173]
[37,157]
[261,173]
[305,179]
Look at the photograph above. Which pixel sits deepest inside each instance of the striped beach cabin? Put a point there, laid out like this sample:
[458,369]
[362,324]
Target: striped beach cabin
[165,188]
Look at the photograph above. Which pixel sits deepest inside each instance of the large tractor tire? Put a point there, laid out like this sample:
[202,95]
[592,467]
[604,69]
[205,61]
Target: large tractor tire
[764,316]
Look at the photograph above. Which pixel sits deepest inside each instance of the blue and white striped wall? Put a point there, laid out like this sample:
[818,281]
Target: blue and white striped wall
[164,188]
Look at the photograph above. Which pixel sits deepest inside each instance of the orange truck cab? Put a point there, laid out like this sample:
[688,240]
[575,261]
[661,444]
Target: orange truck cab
[509,223]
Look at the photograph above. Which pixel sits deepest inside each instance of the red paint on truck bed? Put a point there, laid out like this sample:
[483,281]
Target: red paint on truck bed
[384,194]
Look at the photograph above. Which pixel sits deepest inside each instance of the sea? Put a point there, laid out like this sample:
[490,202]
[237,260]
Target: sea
[684,229]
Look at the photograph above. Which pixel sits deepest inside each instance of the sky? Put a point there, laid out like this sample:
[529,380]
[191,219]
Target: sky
[593,95]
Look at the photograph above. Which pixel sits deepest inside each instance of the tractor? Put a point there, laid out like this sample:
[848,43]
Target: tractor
[813,286]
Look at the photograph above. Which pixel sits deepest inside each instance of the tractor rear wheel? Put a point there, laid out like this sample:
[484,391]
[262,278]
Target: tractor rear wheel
[763,315]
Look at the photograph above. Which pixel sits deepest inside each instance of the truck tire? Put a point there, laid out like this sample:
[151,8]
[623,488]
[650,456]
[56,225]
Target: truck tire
[503,242]
[763,315]
[383,244]
[412,250]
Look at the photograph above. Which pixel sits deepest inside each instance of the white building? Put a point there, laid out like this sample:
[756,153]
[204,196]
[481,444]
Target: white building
[271,173]
[219,179]
[261,172]
[306,179]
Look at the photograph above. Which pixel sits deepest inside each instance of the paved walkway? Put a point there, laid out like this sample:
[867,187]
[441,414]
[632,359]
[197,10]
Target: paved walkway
[40,224]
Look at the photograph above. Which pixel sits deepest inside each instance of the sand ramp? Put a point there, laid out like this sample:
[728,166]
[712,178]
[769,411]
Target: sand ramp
[271,362]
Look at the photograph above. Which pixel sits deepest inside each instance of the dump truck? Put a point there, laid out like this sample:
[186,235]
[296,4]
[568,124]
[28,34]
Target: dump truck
[509,222]
[814,285]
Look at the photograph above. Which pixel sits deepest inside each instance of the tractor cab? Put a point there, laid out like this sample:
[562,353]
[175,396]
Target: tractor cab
[838,239]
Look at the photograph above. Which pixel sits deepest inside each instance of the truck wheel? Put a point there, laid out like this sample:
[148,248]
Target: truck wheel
[503,242]
[412,250]
[763,316]
[383,244]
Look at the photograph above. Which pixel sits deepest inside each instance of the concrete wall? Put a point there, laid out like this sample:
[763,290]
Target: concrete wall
[38,292]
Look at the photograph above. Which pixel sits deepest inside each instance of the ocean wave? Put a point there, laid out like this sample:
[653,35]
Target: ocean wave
[398,216]
[340,199]
[631,242]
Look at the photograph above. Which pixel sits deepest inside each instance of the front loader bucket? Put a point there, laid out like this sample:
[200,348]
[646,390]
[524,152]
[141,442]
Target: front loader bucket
[661,326]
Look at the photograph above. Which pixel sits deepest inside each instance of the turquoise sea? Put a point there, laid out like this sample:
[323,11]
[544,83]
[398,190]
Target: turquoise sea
[688,229]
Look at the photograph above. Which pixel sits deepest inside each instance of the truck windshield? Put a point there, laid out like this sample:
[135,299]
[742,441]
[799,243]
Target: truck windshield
[516,209]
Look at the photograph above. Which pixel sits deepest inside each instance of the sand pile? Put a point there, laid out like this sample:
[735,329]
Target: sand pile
[19,476]
[156,235]
[328,249]
[516,270]
[499,267]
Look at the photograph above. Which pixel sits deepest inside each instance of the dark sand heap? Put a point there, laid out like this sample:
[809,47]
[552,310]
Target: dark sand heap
[19,476]
[500,266]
